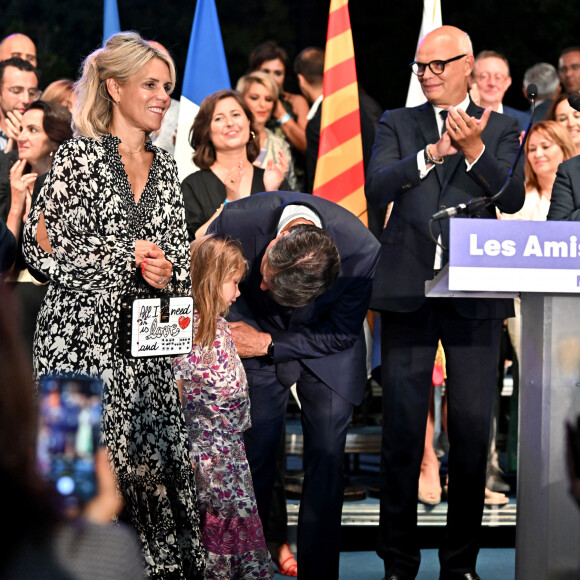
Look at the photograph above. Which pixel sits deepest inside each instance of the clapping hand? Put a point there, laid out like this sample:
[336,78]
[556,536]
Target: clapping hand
[21,189]
[465,131]
[274,173]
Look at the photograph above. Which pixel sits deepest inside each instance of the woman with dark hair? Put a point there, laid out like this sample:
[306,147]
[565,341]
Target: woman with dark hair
[43,128]
[225,146]
[45,125]
[561,112]
[291,109]
[109,223]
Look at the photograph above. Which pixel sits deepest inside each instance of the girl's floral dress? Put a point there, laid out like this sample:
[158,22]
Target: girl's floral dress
[217,412]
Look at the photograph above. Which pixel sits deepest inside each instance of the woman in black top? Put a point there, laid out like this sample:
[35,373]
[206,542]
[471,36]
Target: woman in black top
[225,147]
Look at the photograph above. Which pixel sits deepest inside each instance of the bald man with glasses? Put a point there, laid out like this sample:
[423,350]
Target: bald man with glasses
[426,158]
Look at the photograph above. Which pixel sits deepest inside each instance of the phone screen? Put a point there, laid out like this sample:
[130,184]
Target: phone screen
[69,434]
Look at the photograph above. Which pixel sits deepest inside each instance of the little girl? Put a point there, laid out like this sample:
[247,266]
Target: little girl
[214,392]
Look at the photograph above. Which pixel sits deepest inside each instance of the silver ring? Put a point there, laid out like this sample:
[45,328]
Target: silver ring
[456,128]
[162,280]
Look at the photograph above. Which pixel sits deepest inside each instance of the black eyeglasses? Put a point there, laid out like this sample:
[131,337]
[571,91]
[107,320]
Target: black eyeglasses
[435,66]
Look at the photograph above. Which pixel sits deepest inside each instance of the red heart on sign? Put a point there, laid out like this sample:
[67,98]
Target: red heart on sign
[184,322]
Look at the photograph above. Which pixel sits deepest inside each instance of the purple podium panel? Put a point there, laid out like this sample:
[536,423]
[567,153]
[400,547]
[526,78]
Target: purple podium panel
[514,256]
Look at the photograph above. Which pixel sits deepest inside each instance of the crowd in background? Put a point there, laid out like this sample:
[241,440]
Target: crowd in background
[279,155]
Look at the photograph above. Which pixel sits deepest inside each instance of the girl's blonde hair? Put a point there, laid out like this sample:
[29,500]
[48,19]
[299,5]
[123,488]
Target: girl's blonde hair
[214,261]
[123,55]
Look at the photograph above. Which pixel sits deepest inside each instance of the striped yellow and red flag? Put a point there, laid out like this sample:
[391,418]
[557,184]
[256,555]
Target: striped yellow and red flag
[339,170]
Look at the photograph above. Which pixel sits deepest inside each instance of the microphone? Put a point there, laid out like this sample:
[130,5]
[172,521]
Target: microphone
[471,206]
[532,92]
[574,101]
[480,202]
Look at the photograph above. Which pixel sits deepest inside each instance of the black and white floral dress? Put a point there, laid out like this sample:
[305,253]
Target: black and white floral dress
[92,222]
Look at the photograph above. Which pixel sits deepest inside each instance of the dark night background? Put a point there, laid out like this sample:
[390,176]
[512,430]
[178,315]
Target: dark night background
[385,33]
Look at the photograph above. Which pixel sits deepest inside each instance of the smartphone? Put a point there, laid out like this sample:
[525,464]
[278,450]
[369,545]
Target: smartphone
[69,429]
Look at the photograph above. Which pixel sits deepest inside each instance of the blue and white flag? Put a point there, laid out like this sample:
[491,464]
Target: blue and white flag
[431,20]
[110,20]
[206,71]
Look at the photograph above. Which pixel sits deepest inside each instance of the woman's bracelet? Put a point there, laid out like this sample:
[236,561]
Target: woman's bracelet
[430,158]
[284,119]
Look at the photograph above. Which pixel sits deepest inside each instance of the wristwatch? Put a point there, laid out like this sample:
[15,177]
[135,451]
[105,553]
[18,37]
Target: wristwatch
[271,350]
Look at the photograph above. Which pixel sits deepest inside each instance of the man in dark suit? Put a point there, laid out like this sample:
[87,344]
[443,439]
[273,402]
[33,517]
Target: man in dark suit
[309,69]
[423,163]
[299,320]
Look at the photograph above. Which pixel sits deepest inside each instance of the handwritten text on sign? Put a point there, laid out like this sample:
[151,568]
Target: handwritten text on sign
[506,255]
[162,326]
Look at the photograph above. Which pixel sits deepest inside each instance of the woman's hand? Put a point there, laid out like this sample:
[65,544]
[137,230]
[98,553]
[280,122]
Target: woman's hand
[156,270]
[108,501]
[274,173]
[279,110]
[21,189]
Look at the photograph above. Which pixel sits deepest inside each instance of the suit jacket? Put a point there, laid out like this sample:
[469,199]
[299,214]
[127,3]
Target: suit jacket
[312,143]
[565,201]
[6,162]
[408,252]
[326,335]
[522,117]
[541,111]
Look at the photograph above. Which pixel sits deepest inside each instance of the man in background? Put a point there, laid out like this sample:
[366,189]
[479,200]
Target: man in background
[491,76]
[569,69]
[545,77]
[18,88]
[18,46]
[309,68]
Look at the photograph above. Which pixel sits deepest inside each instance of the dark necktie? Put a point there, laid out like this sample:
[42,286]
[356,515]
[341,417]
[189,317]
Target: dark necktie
[443,114]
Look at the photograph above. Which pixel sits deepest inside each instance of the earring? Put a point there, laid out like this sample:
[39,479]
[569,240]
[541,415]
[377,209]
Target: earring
[252,136]
[51,154]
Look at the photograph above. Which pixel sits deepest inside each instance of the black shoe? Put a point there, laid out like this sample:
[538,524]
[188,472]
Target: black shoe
[396,576]
[466,576]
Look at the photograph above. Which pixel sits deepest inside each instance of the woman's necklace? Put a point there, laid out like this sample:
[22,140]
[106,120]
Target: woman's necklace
[131,153]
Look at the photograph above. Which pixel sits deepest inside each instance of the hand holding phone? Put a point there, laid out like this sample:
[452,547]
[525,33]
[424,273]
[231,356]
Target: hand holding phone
[69,436]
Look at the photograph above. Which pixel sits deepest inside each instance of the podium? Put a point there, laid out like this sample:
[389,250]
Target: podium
[539,261]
